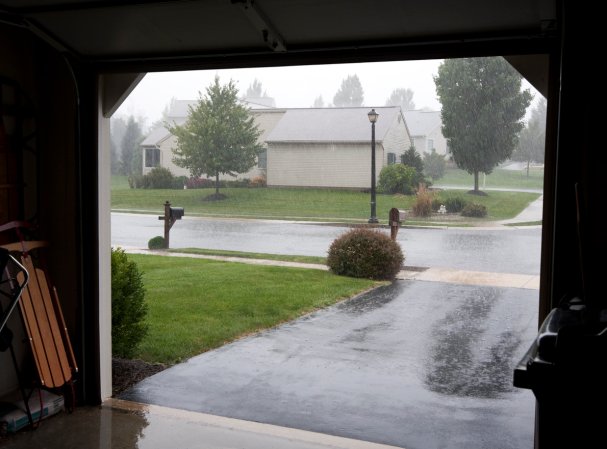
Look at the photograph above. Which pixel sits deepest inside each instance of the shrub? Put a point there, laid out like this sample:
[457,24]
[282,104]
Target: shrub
[365,253]
[422,207]
[454,204]
[244,182]
[434,165]
[200,183]
[135,181]
[258,181]
[397,178]
[474,210]
[158,178]
[436,204]
[128,305]
[412,158]
[156,242]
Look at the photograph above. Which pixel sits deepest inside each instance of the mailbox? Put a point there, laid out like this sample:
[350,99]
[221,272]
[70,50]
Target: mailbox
[395,218]
[176,213]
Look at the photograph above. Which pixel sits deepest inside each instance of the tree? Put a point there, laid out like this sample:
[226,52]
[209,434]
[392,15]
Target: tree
[255,90]
[131,152]
[411,158]
[350,93]
[219,136]
[434,165]
[319,102]
[483,108]
[532,139]
[401,97]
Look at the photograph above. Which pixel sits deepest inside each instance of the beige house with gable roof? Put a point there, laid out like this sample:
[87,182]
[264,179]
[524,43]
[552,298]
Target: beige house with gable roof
[313,147]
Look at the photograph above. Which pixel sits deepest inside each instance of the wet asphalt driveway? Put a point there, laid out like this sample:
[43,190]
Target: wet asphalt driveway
[420,365]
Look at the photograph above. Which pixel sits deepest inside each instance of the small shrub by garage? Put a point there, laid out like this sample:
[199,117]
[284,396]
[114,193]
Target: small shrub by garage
[365,253]
[422,207]
[397,178]
[129,309]
[474,210]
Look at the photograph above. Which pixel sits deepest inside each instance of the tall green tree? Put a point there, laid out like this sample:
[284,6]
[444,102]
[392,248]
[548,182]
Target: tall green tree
[131,152]
[532,139]
[318,102]
[482,113]
[350,93]
[401,97]
[219,136]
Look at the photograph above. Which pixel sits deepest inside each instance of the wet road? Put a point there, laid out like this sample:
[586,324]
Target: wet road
[505,250]
[421,365]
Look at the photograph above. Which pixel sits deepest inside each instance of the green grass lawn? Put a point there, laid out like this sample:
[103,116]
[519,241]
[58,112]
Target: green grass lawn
[248,255]
[119,183]
[196,305]
[499,178]
[299,204]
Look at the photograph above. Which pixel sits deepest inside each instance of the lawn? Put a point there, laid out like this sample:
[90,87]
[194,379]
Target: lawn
[298,204]
[499,178]
[249,255]
[196,305]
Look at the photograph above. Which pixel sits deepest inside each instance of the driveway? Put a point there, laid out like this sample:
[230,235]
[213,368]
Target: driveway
[416,364]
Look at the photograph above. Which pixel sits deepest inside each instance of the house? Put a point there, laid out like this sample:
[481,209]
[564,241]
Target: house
[331,147]
[426,131]
[158,146]
[313,147]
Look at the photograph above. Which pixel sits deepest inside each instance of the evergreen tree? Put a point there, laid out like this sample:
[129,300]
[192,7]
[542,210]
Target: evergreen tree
[350,93]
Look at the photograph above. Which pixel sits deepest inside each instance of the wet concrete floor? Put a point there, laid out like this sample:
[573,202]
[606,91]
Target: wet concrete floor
[420,365]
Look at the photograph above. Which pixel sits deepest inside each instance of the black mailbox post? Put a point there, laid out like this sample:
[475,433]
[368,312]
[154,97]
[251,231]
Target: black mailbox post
[171,214]
[396,217]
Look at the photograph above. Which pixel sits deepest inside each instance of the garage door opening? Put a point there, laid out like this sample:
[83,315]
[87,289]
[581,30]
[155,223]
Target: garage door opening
[425,361]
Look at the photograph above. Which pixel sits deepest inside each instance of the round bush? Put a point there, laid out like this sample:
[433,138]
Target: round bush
[365,253]
[156,242]
[158,178]
[474,210]
[397,178]
[128,305]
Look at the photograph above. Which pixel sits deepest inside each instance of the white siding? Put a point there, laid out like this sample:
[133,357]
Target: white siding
[397,139]
[440,143]
[322,165]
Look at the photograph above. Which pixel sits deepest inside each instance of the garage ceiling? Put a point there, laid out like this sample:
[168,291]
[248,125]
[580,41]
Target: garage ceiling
[112,31]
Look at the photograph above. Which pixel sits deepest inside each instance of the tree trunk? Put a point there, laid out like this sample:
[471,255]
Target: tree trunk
[476,180]
[217,183]
[527,168]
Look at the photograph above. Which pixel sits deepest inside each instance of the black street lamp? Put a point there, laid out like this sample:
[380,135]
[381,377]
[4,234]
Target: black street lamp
[373,118]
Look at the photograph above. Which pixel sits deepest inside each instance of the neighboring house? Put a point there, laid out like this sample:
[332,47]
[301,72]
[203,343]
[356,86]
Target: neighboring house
[426,131]
[159,144]
[316,147]
[331,147]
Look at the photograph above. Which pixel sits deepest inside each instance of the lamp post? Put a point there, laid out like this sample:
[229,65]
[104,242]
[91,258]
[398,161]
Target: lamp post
[373,118]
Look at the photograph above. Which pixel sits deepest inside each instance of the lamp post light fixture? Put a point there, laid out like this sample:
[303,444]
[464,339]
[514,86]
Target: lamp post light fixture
[373,118]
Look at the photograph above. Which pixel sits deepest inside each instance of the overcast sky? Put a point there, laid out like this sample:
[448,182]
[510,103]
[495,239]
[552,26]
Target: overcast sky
[289,86]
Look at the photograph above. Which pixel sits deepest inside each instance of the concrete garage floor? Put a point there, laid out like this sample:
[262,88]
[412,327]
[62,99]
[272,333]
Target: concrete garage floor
[416,364]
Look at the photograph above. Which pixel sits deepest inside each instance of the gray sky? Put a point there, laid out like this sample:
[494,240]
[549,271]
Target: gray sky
[296,86]
[290,86]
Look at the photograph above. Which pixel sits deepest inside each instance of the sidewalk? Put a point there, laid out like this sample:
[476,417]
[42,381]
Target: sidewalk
[433,274]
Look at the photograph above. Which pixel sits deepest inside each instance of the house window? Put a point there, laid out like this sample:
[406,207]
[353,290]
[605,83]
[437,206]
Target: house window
[262,159]
[152,157]
[391,158]
[430,144]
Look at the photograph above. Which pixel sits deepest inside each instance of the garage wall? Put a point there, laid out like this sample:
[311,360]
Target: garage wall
[341,165]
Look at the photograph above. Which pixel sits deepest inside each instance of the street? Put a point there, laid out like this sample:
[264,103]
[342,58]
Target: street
[503,250]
